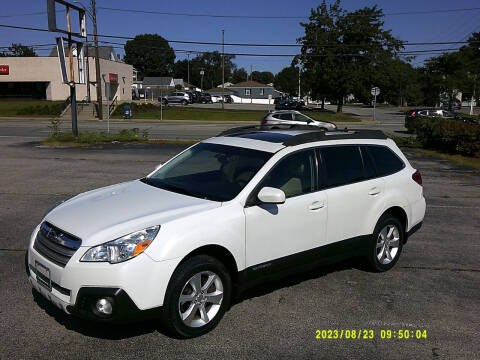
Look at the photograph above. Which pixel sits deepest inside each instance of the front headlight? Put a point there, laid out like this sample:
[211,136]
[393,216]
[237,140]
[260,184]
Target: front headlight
[123,248]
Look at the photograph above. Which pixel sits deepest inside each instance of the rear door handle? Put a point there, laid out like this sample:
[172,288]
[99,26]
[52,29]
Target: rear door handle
[316,205]
[374,191]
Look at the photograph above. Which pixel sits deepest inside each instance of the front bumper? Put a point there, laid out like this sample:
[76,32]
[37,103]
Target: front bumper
[136,286]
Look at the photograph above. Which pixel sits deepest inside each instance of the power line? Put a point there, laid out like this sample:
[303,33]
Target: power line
[264,17]
[405,43]
[260,17]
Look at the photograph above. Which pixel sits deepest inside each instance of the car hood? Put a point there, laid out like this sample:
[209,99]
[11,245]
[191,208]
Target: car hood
[111,212]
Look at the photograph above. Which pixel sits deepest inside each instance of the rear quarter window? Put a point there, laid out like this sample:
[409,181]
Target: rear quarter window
[386,161]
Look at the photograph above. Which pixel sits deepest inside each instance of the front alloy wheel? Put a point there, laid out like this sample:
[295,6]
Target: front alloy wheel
[200,299]
[197,297]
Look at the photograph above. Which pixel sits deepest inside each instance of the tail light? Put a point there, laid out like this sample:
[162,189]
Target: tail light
[417,177]
[264,121]
[413,114]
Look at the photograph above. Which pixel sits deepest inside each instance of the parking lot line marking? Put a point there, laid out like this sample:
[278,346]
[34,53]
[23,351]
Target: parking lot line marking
[453,206]
[439,268]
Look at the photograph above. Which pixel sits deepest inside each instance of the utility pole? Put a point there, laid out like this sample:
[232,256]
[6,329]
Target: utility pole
[251,70]
[73,93]
[97,61]
[188,68]
[299,68]
[223,68]
[88,74]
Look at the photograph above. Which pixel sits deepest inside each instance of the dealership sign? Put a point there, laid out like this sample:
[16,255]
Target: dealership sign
[113,78]
[4,69]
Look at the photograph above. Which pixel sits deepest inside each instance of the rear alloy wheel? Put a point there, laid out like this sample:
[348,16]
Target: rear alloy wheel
[386,244]
[197,297]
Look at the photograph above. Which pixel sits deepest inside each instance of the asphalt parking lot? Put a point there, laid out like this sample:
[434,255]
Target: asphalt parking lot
[434,287]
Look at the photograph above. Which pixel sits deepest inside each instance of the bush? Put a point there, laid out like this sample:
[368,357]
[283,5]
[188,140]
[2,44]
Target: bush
[125,135]
[448,135]
[47,109]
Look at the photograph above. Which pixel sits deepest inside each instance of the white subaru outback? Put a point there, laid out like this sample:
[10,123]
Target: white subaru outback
[231,211]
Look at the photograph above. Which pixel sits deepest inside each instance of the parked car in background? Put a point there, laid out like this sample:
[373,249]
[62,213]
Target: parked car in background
[176,98]
[205,98]
[138,94]
[413,114]
[289,104]
[227,99]
[192,96]
[216,98]
[455,104]
[293,117]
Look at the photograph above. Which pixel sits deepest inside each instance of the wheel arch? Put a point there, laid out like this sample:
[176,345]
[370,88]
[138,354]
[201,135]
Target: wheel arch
[219,252]
[399,213]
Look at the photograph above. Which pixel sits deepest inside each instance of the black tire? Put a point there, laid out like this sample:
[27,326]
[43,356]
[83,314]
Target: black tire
[372,260]
[184,102]
[171,309]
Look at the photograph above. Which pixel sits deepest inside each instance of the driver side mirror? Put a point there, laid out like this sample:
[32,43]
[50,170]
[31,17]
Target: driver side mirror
[270,195]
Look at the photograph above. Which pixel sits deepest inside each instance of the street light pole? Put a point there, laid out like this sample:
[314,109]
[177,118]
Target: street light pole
[223,68]
[299,68]
[97,61]
[188,68]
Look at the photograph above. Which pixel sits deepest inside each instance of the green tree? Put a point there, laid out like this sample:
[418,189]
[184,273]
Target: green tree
[287,80]
[239,75]
[447,74]
[264,77]
[18,50]
[341,49]
[151,55]
[211,64]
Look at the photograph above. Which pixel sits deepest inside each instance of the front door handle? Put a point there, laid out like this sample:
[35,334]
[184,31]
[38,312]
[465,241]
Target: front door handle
[316,205]
[374,191]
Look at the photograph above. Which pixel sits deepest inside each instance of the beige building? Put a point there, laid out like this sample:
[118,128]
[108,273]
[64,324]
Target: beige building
[40,77]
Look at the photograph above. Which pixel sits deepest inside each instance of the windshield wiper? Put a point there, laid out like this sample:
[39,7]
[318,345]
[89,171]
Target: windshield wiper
[174,188]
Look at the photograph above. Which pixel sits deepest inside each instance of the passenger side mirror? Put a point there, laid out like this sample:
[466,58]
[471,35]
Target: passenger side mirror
[269,195]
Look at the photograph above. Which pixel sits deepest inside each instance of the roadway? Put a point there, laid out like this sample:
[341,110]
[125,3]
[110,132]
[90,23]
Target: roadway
[388,119]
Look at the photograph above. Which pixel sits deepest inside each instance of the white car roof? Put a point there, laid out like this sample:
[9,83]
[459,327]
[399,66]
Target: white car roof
[273,140]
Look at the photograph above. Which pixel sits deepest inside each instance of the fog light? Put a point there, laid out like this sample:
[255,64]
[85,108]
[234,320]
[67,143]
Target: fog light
[104,307]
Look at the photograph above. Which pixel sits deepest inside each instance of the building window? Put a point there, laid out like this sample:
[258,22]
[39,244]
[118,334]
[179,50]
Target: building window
[262,91]
[248,91]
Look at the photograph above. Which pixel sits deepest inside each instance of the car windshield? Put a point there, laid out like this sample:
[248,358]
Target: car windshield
[209,171]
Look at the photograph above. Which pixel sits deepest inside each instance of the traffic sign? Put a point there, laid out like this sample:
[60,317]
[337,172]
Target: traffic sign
[375,91]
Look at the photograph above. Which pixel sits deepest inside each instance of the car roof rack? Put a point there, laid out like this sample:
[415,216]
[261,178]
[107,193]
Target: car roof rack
[309,134]
[334,135]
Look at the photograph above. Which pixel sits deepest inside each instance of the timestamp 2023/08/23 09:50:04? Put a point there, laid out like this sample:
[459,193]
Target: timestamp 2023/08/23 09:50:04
[366,334]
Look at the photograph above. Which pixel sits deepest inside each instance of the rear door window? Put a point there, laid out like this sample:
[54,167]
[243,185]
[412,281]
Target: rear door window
[302,118]
[386,161]
[286,116]
[342,165]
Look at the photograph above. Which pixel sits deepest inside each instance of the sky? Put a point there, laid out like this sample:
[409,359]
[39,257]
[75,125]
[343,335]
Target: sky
[425,27]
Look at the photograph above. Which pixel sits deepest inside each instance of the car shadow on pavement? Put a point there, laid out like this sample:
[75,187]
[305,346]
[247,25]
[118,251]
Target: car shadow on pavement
[110,331]
[294,279]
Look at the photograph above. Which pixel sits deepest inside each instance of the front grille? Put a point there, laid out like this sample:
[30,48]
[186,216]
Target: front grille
[55,244]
